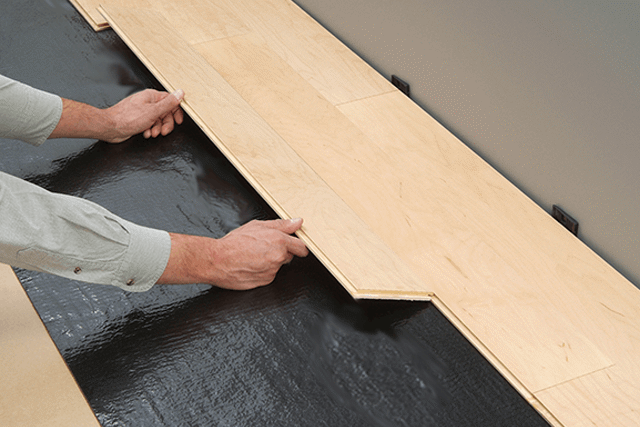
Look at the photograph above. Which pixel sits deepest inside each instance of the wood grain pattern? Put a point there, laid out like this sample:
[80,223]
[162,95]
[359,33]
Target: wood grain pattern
[371,181]
[289,32]
[338,237]
[604,398]
[521,277]
[36,388]
[287,29]
[489,254]
[196,21]
[524,267]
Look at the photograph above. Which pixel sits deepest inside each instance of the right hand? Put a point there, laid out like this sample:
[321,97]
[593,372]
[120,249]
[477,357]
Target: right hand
[250,256]
[246,258]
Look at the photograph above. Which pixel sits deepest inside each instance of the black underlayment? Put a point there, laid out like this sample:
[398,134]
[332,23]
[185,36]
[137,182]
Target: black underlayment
[300,352]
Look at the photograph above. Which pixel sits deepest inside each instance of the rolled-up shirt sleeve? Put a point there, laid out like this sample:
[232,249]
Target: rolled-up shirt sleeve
[26,113]
[76,238]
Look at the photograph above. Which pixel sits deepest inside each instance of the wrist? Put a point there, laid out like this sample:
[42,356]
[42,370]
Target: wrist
[190,260]
[109,126]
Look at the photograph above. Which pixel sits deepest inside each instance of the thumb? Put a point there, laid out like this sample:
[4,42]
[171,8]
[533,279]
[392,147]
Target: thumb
[179,95]
[288,226]
[169,102]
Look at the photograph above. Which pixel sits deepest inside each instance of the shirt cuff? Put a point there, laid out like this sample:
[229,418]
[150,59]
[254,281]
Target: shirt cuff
[27,113]
[52,110]
[145,259]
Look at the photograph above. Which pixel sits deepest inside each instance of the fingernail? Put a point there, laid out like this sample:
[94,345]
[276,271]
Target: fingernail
[295,220]
[179,94]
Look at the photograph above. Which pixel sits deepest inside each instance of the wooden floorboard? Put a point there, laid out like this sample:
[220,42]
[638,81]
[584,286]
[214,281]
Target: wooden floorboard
[604,398]
[380,177]
[338,237]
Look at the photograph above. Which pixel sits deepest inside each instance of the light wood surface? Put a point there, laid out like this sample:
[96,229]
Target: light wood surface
[320,135]
[286,29]
[380,175]
[338,237]
[36,388]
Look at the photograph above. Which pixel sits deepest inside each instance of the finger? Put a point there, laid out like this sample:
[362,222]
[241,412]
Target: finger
[164,104]
[297,247]
[156,129]
[178,116]
[288,259]
[179,95]
[167,124]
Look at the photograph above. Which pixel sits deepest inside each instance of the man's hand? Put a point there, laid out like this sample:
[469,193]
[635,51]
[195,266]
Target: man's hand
[149,112]
[246,258]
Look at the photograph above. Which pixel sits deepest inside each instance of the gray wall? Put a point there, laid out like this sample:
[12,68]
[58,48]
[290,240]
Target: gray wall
[547,92]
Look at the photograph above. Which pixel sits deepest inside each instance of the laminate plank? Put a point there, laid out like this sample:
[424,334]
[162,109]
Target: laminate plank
[308,122]
[371,181]
[89,10]
[195,20]
[321,59]
[519,260]
[289,31]
[604,398]
[347,247]
[37,388]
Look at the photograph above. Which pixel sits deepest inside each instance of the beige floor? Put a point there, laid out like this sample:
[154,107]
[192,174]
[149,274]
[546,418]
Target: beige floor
[36,388]
[395,205]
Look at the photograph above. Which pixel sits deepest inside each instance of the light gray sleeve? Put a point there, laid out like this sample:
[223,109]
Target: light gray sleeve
[26,113]
[75,238]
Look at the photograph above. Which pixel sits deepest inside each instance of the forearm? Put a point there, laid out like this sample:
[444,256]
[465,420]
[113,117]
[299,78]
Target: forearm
[32,115]
[79,120]
[149,112]
[80,240]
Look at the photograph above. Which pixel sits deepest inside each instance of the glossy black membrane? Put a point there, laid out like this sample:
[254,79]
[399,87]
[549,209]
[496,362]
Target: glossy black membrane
[298,352]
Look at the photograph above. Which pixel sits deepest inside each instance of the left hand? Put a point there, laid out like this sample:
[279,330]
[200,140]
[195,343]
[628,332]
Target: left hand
[149,112]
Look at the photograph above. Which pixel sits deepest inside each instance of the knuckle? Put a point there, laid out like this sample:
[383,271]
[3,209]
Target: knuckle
[278,257]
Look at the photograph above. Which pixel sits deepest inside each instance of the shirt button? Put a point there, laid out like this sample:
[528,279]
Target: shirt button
[77,270]
[131,282]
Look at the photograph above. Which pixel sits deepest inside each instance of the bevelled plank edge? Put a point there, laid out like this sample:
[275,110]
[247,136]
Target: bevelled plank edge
[393,295]
[89,17]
